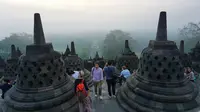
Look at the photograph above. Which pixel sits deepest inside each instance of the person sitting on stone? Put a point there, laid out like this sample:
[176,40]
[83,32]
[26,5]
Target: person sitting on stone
[82,92]
[191,74]
[134,73]
[125,73]
[5,87]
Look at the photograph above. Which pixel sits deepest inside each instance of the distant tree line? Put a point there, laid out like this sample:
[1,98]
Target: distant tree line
[190,34]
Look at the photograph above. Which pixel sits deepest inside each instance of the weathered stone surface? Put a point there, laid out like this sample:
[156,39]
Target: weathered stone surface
[88,64]
[2,66]
[160,84]
[185,58]
[127,58]
[87,77]
[42,83]
[74,62]
[195,57]
[19,53]
[99,59]
[11,65]
[67,52]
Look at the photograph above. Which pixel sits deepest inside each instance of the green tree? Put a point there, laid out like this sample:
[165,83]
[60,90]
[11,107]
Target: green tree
[18,39]
[84,54]
[190,34]
[114,43]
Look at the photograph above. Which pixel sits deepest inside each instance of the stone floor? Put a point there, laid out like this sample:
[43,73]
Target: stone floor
[105,105]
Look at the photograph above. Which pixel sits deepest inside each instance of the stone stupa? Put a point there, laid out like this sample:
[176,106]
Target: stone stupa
[42,83]
[2,66]
[11,65]
[99,59]
[127,58]
[67,52]
[75,63]
[160,84]
[195,57]
[185,58]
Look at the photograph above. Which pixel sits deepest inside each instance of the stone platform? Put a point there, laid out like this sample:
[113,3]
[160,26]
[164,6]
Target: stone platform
[105,105]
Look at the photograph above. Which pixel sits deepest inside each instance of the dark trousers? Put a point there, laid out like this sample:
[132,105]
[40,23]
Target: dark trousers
[111,83]
[122,78]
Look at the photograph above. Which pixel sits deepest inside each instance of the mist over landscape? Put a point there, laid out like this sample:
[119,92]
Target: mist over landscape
[90,21]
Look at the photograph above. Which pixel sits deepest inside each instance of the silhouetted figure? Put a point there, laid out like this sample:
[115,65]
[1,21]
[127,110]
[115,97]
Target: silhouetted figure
[5,87]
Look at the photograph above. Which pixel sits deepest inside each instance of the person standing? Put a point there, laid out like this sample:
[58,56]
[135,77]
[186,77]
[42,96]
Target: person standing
[110,79]
[82,92]
[97,76]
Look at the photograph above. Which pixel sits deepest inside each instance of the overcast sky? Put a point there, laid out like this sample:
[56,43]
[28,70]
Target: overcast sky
[66,16]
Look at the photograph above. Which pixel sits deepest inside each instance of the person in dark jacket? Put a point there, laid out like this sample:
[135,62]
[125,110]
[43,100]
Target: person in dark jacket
[5,87]
[111,81]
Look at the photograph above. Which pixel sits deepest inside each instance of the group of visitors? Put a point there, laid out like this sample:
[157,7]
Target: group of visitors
[99,76]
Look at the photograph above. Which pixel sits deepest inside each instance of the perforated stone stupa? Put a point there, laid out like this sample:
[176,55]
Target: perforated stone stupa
[74,62]
[99,59]
[11,65]
[185,58]
[2,66]
[160,84]
[127,58]
[195,57]
[67,52]
[19,53]
[42,83]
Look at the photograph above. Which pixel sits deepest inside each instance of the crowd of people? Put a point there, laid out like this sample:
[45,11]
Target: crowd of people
[99,76]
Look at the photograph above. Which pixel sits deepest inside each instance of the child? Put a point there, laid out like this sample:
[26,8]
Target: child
[82,92]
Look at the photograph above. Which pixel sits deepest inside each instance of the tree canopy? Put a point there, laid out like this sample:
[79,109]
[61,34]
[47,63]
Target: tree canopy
[114,43]
[18,39]
[190,34]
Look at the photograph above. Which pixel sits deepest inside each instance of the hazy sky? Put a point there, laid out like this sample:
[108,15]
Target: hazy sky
[67,16]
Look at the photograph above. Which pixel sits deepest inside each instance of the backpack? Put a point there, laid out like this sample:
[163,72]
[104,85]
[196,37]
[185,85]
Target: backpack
[81,91]
[112,73]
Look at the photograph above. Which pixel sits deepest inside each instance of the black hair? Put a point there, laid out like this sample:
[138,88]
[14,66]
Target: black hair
[97,62]
[6,80]
[109,62]
[78,69]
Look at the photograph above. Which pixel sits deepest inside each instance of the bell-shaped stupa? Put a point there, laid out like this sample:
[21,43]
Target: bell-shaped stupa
[160,84]
[185,58]
[127,58]
[75,63]
[99,59]
[42,83]
[67,51]
[195,57]
[11,65]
